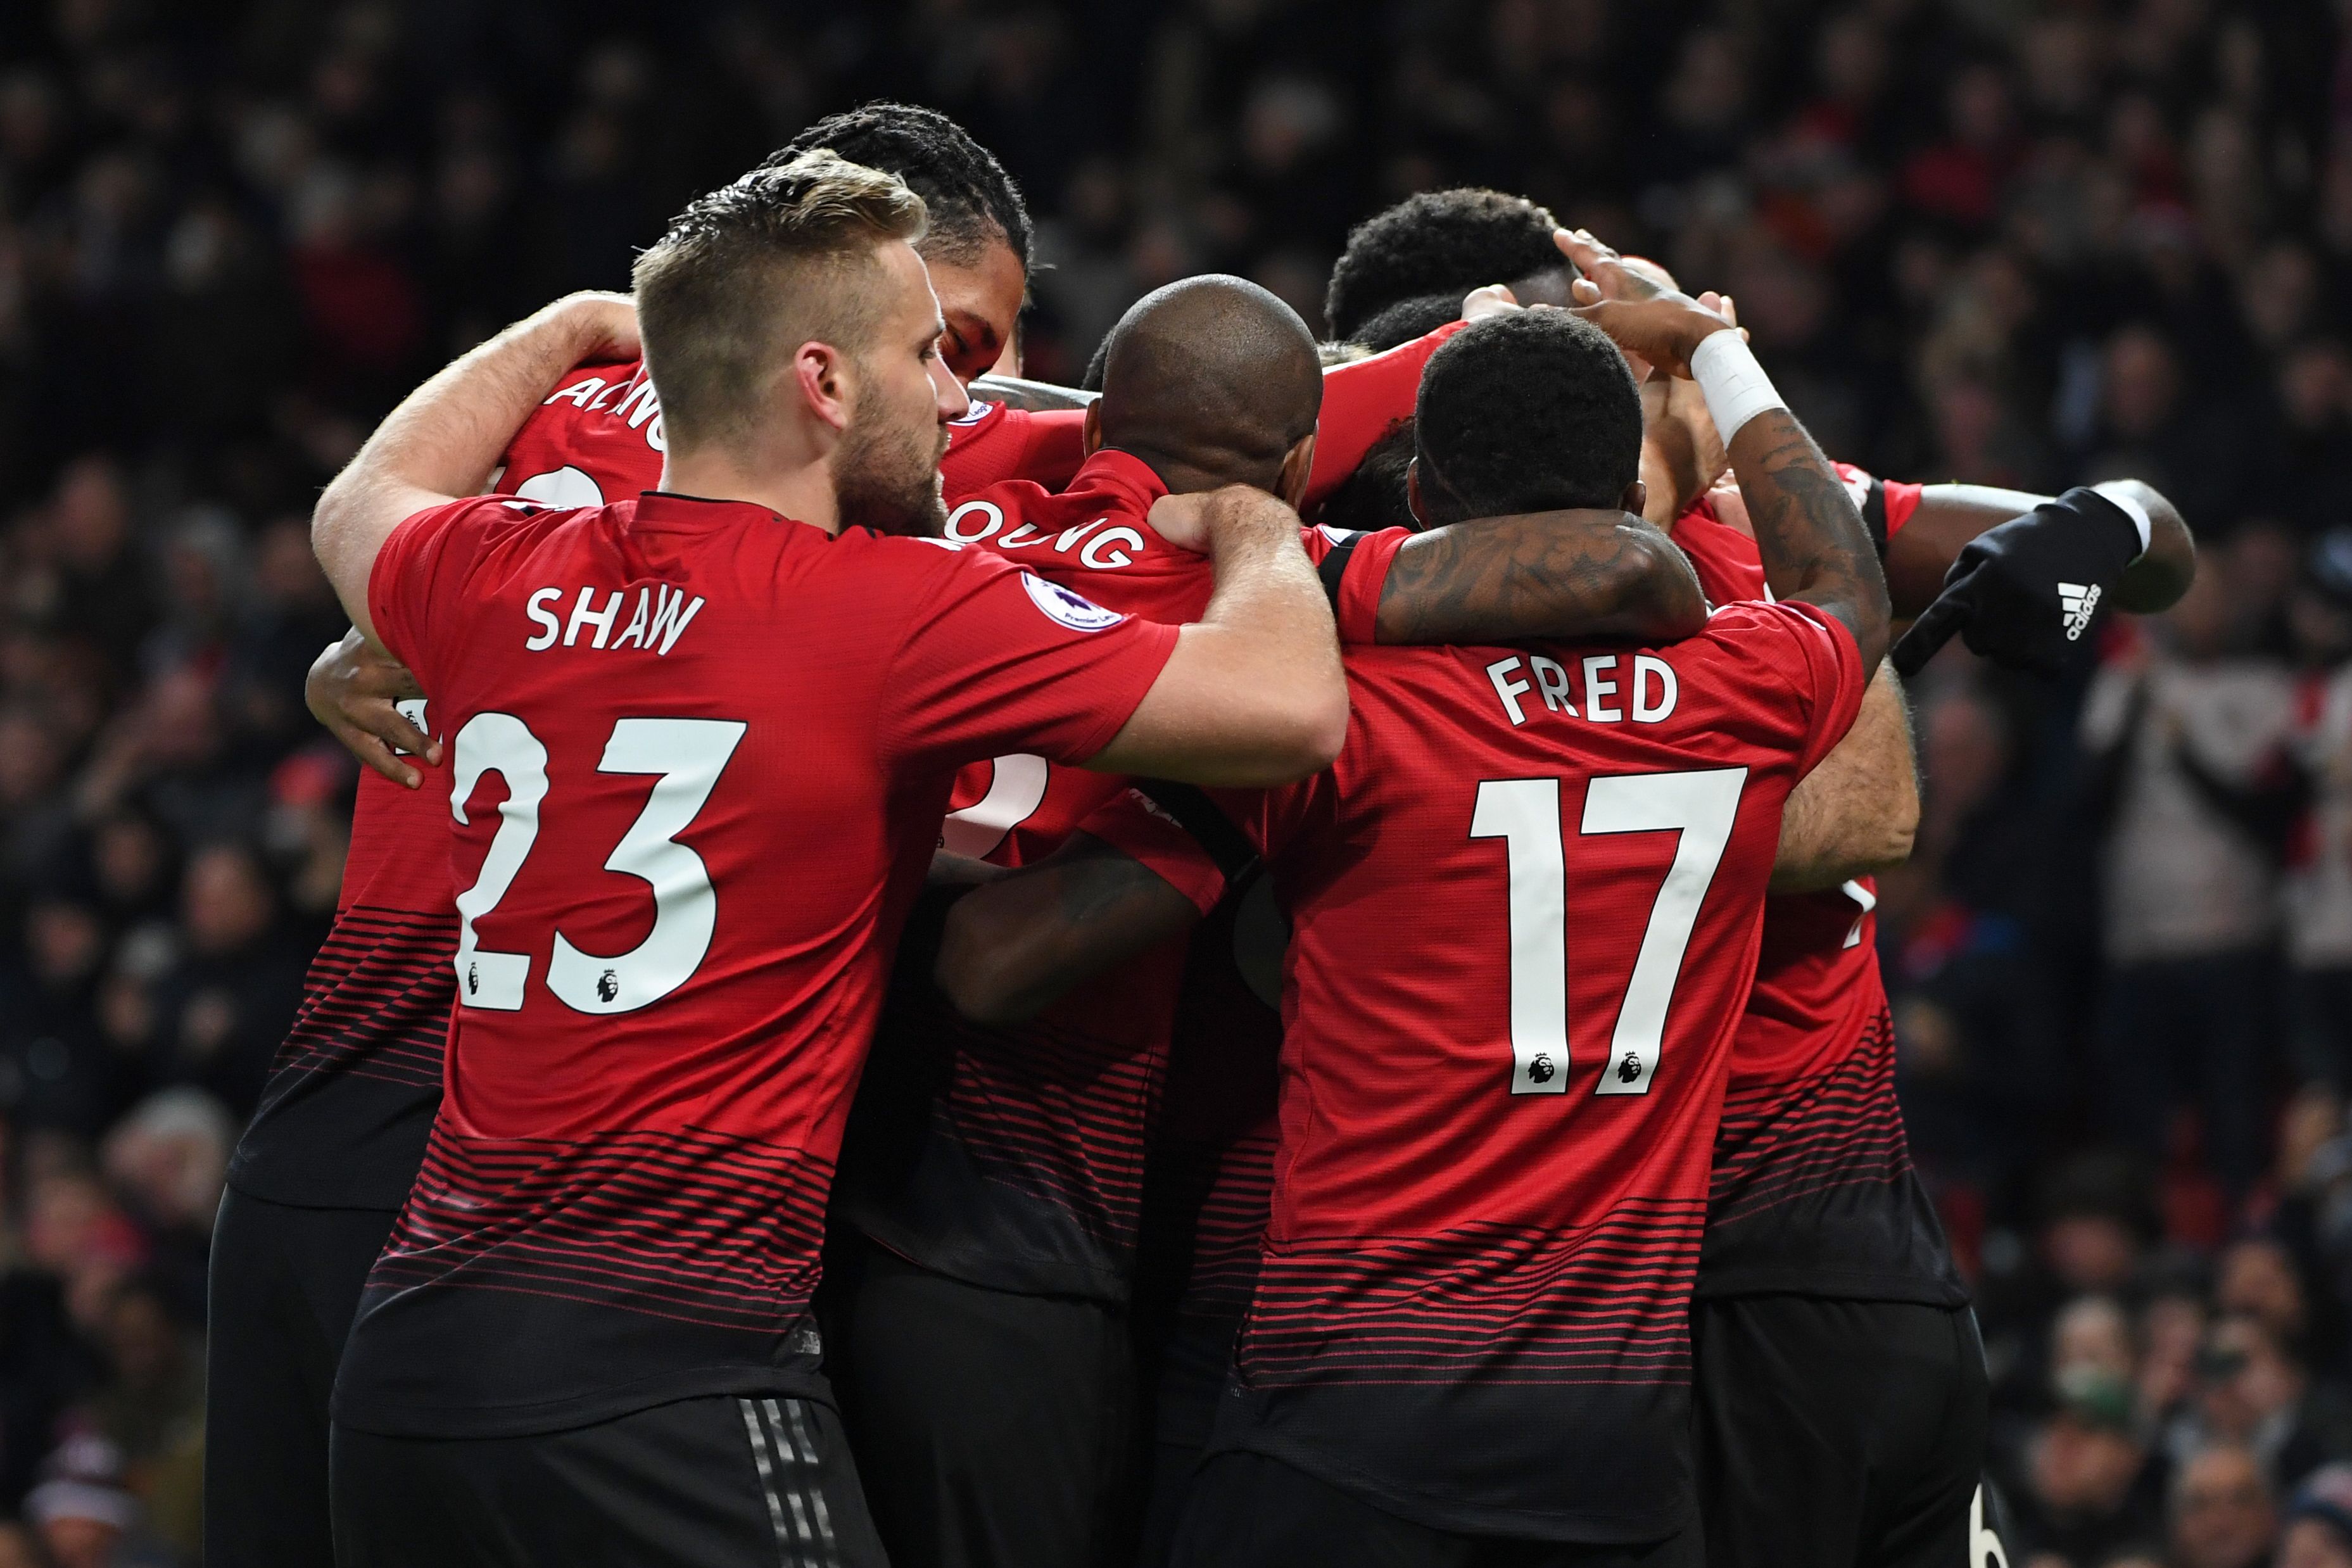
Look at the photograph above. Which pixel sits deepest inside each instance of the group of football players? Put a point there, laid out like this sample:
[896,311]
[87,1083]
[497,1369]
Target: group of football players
[928,975]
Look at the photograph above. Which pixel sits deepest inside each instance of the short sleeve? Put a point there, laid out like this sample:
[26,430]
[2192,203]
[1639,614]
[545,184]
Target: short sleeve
[419,568]
[1827,668]
[996,660]
[1361,401]
[1354,567]
[1130,823]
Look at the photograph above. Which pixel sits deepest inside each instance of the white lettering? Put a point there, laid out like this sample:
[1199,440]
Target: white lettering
[655,438]
[636,629]
[1646,669]
[601,619]
[606,397]
[1596,688]
[1506,688]
[1012,539]
[991,515]
[1070,536]
[640,406]
[579,393]
[671,616]
[539,612]
[1552,681]
[1100,555]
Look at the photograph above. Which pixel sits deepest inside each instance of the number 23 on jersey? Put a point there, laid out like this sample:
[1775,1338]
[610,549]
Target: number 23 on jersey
[684,757]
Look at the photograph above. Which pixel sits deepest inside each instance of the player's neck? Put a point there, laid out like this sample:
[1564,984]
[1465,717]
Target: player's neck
[803,493]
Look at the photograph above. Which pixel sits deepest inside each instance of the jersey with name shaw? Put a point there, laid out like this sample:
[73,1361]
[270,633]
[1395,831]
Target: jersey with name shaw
[699,754]
[342,1121]
[1815,1191]
[1525,906]
[1012,1156]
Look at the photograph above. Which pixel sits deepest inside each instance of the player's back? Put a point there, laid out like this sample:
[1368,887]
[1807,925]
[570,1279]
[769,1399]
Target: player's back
[699,756]
[1525,906]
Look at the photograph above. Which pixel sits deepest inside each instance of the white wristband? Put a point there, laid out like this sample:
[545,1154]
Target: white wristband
[1734,387]
[2132,509]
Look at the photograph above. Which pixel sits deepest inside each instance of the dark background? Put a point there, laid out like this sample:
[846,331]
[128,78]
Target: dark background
[2023,244]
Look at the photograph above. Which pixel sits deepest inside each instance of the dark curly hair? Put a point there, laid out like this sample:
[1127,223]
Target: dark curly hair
[1433,243]
[1407,319]
[1525,413]
[971,198]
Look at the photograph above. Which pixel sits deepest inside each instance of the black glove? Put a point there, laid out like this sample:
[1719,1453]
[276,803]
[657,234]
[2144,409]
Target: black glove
[2027,592]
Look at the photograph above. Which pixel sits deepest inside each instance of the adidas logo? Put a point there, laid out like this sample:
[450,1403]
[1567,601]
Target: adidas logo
[2077,602]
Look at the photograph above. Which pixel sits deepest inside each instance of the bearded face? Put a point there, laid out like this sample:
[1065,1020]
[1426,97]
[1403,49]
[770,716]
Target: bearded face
[887,470]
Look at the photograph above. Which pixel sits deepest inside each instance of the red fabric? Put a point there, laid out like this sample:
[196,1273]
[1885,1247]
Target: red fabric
[598,437]
[1361,401]
[862,671]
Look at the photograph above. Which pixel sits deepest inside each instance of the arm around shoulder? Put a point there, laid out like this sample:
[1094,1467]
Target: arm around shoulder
[1857,811]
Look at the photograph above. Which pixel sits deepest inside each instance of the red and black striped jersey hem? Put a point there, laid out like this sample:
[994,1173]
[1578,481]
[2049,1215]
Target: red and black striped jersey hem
[350,1095]
[548,1277]
[1484,1304]
[1028,1170]
[1813,1190]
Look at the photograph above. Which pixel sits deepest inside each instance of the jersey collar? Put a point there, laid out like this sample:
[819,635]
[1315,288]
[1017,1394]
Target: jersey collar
[671,512]
[1125,474]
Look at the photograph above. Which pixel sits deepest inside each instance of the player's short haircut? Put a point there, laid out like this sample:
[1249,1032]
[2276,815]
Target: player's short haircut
[1374,496]
[785,255]
[1434,243]
[1214,374]
[1525,412]
[1407,319]
[972,202]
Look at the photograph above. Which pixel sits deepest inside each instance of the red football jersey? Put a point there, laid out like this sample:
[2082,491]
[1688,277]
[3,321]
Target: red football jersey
[1525,909]
[1049,1116]
[343,1118]
[700,753]
[598,438]
[1813,1189]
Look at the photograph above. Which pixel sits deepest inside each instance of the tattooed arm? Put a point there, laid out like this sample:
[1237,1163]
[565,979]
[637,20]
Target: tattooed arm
[1808,530]
[1014,947]
[1571,575]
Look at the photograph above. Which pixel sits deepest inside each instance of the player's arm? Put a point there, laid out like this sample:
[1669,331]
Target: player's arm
[355,689]
[1014,947]
[1252,694]
[1574,575]
[1035,396]
[1949,518]
[443,440]
[1856,813]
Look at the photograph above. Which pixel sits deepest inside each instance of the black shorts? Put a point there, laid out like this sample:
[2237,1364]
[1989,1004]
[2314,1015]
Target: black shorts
[1249,1510]
[714,1482]
[994,1430]
[1837,1434]
[284,1284]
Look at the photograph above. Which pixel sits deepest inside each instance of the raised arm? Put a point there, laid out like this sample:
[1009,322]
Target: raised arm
[1856,812]
[1811,538]
[445,436]
[1253,694]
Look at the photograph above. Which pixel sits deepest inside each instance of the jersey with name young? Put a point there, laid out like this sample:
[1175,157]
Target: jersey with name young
[344,1118]
[1014,1157]
[598,437]
[1472,1296]
[653,708]
[1814,1192]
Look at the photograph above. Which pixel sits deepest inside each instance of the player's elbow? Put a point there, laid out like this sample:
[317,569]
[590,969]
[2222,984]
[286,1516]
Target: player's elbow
[1303,731]
[1658,586]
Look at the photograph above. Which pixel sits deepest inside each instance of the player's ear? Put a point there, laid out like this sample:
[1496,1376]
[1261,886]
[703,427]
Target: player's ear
[821,374]
[1636,497]
[1412,492]
[1090,441]
[1297,464]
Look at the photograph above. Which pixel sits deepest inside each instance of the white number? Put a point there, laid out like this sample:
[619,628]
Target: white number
[1015,793]
[562,488]
[500,743]
[688,756]
[1700,807]
[1985,1548]
[1525,815]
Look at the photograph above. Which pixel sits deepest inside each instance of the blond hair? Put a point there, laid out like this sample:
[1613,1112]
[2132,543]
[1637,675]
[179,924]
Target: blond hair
[747,273]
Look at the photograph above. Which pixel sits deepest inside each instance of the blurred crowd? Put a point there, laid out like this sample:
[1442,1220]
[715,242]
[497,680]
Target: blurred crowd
[1977,240]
